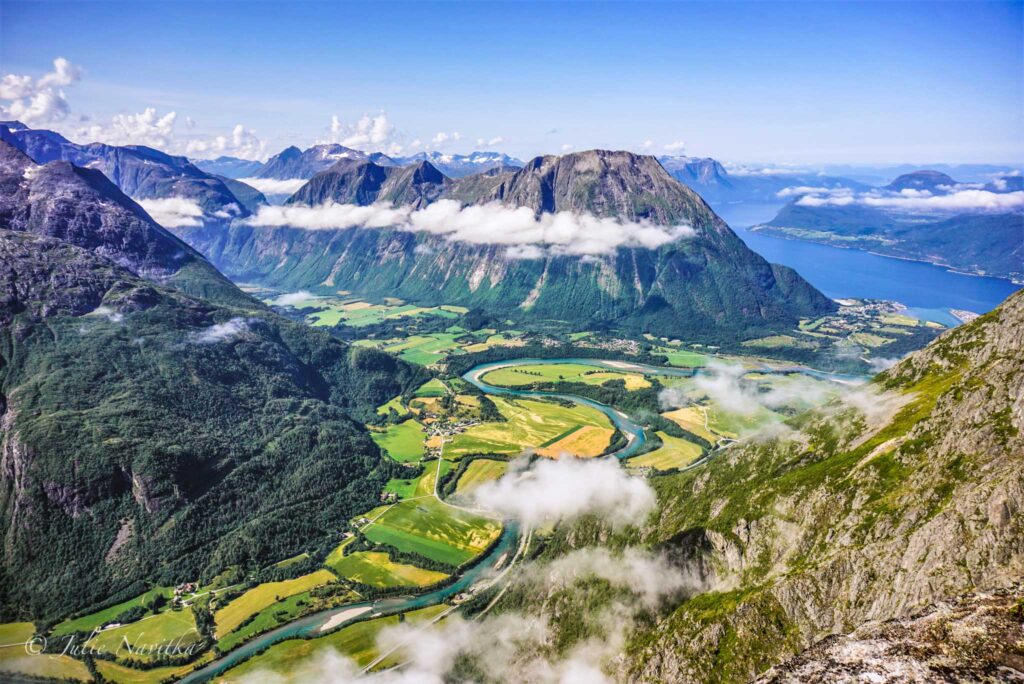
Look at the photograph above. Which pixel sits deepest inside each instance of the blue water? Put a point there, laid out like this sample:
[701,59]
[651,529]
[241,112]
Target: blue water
[930,290]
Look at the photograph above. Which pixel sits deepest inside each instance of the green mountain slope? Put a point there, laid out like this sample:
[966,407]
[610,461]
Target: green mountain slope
[858,516]
[707,287]
[150,435]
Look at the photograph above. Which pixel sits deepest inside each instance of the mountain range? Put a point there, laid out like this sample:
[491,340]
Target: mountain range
[984,241]
[706,286]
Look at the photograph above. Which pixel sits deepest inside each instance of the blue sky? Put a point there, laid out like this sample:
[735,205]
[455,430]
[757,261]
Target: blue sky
[749,82]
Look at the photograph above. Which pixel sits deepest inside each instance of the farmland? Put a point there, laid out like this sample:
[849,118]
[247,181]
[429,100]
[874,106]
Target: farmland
[479,471]
[378,570]
[264,595]
[673,453]
[529,424]
[171,626]
[519,376]
[402,442]
[434,530]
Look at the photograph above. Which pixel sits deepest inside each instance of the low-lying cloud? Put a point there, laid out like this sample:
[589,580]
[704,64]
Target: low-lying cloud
[293,298]
[223,332]
[959,199]
[272,186]
[492,224]
[173,212]
[555,490]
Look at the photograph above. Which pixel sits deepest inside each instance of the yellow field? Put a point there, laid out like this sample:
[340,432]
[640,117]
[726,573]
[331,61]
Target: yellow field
[517,376]
[266,594]
[14,660]
[378,570]
[16,632]
[586,442]
[530,424]
[691,418]
[674,453]
[480,471]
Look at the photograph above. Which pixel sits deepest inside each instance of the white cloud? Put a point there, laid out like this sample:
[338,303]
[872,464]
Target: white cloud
[646,145]
[272,186]
[484,142]
[559,233]
[554,490]
[369,133]
[242,143]
[41,101]
[293,298]
[173,212]
[798,190]
[676,146]
[145,128]
[441,138]
[911,200]
[223,332]
[566,147]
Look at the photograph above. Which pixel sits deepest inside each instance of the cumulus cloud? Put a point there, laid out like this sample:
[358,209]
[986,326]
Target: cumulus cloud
[223,332]
[745,170]
[369,133]
[442,138]
[675,146]
[646,145]
[38,101]
[566,147]
[799,190]
[243,143]
[272,186]
[484,142]
[558,233]
[145,128]
[173,212]
[554,490]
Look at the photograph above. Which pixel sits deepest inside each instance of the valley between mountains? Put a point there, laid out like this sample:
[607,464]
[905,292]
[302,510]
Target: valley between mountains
[476,420]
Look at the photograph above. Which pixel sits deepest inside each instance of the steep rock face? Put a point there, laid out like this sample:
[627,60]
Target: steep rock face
[604,183]
[141,172]
[363,182]
[463,165]
[857,519]
[974,638]
[250,198]
[293,163]
[81,207]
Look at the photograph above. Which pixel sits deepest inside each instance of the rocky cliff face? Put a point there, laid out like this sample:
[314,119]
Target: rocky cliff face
[293,163]
[858,517]
[141,172]
[363,182]
[81,207]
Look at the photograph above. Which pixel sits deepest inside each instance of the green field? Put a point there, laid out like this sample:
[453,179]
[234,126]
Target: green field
[434,530]
[378,570]
[402,442]
[261,596]
[89,622]
[171,626]
[684,359]
[421,485]
[517,376]
[396,403]
[479,471]
[288,659]
[530,423]
[432,388]
[276,614]
[674,453]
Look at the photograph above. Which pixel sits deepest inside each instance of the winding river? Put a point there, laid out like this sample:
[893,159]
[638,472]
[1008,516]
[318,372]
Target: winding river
[310,625]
